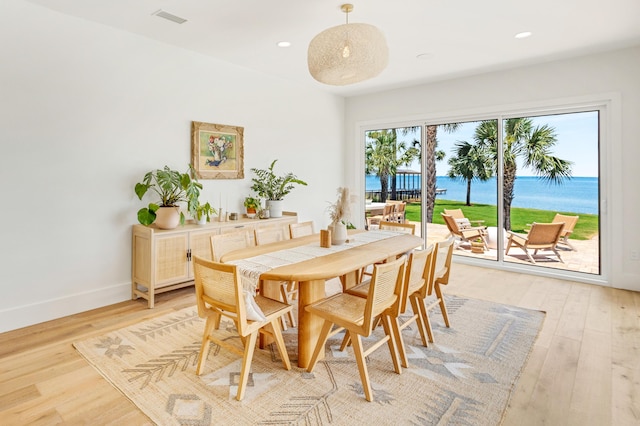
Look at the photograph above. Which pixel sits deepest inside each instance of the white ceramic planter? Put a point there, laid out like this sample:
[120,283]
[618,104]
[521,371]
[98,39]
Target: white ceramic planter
[338,233]
[275,207]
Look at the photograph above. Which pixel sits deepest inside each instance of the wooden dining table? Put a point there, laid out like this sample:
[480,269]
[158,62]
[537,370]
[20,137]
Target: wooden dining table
[312,274]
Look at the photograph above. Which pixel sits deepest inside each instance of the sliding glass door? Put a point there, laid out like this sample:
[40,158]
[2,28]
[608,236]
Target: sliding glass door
[551,175]
[392,174]
[494,183]
[501,176]
[461,188]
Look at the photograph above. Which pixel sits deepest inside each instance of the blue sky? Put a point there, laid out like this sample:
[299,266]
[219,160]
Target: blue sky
[577,141]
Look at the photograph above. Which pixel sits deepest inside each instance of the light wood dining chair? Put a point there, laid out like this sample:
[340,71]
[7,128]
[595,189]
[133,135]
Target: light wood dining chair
[219,294]
[408,228]
[426,294]
[440,276]
[269,235]
[288,289]
[301,229]
[418,270]
[356,315]
[222,244]
[387,216]
[400,212]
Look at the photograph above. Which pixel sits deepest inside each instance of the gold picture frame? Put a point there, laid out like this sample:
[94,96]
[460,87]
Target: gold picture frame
[217,151]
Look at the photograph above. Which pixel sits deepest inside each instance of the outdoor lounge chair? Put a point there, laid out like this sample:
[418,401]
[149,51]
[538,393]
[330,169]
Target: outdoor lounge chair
[541,236]
[463,221]
[569,224]
[464,234]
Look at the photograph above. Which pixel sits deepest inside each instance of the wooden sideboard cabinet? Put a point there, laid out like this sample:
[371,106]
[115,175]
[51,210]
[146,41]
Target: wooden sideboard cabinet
[161,258]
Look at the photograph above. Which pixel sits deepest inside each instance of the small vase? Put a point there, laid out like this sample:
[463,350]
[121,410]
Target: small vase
[338,233]
[202,220]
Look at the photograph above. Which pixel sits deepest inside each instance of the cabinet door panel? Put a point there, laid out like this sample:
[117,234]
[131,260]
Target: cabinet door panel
[171,263]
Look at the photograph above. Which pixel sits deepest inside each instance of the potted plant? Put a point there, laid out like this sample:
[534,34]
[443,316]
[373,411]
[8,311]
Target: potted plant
[252,204]
[172,187]
[339,214]
[203,213]
[274,188]
[477,245]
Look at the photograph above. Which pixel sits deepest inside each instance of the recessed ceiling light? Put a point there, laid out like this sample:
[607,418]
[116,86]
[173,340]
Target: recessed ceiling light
[284,44]
[524,34]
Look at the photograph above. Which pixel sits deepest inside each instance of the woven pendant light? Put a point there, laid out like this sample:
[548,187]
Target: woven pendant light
[348,53]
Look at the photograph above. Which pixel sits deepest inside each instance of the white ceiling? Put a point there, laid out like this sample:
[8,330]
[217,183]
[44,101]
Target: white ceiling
[459,37]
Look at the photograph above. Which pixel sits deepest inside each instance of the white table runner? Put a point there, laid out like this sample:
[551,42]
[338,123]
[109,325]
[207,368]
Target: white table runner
[251,268]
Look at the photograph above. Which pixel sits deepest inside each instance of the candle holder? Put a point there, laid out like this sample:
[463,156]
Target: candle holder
[325,238]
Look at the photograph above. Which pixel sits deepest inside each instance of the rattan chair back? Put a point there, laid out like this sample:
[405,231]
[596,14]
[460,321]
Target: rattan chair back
[301,229]
[224,243]
[269,235]
[407,228]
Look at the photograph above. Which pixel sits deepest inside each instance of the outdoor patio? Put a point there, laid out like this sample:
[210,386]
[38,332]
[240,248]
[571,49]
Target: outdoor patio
[584,259]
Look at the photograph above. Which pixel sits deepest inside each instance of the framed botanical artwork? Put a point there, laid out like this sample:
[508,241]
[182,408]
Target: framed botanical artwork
[217,151]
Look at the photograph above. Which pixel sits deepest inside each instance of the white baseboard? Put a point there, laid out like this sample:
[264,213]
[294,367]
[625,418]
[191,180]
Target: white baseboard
[35,313]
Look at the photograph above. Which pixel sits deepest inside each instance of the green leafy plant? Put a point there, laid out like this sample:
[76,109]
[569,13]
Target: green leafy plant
[271,187]
[204,210]
[172,187]
[252,203]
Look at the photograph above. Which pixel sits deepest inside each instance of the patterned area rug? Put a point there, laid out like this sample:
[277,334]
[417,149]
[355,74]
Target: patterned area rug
[464,378]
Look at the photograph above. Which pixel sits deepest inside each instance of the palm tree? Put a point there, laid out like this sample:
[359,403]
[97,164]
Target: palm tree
[432,155]
[382,159]
[470,162]
[531,145]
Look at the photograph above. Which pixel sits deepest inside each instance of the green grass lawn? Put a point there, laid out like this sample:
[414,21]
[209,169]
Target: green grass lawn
[585,229]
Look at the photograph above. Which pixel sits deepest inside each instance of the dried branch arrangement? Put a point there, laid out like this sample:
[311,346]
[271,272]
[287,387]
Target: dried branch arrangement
[339,211]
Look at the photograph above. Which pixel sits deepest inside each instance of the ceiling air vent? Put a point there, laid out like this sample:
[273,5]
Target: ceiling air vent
[166,15]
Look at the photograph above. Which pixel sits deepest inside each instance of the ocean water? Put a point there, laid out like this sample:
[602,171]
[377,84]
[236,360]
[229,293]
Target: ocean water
[576,195]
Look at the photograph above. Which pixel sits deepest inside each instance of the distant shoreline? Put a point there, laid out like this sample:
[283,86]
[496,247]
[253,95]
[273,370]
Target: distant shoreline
[578,194]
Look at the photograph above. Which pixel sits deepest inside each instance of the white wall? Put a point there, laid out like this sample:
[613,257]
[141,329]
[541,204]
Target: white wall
[613,74]
[85,111]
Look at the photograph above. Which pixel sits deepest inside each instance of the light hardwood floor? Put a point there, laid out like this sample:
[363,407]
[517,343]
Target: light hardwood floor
[583,370]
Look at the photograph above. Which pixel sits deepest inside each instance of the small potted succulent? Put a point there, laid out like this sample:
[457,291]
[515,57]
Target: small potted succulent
[252,204]
[172,187]
[477,245]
